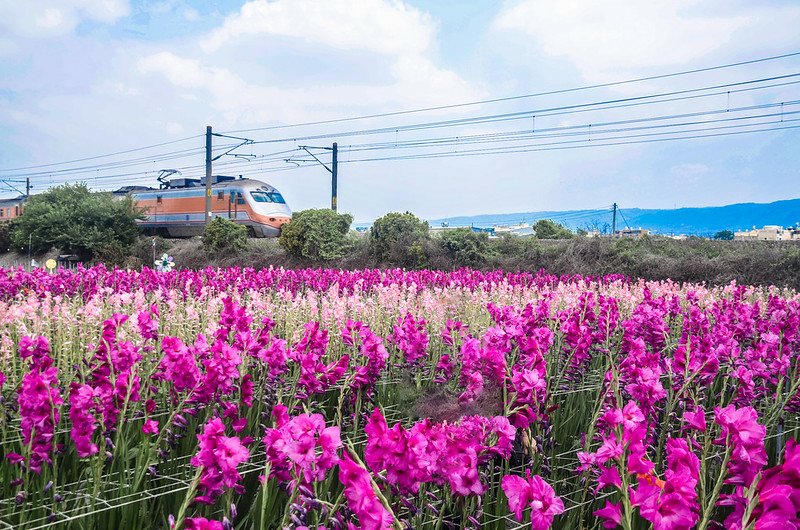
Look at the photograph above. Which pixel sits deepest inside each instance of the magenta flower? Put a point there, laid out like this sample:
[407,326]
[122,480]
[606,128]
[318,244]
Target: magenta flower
[150,427]
[609,476]
[301,447]
[361,497]
[219,456]
[222,369]
[411,338]
[201,523]
[695,420]
[610,514]
[37,349]
[82,406]
[677,506]
[39,400]
[373,349]
[778,496]
[745,436]
[178,365]
[147,326]
[534,493]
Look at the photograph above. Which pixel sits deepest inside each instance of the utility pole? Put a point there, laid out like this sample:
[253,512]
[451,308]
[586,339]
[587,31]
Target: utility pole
[208,174]
[27,187]
[614,222]
[334,174]
[333,169]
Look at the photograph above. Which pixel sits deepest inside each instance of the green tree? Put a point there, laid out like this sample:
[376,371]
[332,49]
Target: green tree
[319,235]
[76,220]
[223,235]
[466,248]
[724,235]
[547,229]
[400,239]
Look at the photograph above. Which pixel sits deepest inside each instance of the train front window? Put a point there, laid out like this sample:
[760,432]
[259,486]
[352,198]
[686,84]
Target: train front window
[264,196]
[260,196]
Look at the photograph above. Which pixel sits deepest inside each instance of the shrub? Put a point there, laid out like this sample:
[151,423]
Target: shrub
[76,220]
[725,235]
[547,229]
[6,230]
[400,239]
[224,235]
[466,248]
[318,235]
[113,254]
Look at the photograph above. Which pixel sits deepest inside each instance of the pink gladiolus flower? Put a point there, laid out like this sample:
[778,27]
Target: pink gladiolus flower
[534,493]
[677,506]
[745,436]
[219,456]
[302,445]
[411,338]
[37,349]
[150,427]
[778,496]
[178,365]
[14,458]
[147,326]
[81,413]
[695,420]
[610,514]
[201,523]
[39,401]
[361,497]
[609,476]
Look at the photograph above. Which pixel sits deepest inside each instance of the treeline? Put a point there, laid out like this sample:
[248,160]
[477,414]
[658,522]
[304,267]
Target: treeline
[100,228]
[323,238]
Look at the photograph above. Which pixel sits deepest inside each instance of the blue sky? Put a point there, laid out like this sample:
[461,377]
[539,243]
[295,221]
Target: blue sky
[91,77]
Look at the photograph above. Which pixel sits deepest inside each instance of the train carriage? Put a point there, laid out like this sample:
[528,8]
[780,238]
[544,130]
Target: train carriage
[178,210]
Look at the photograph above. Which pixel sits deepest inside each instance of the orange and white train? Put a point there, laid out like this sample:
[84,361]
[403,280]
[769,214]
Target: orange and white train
[178,210]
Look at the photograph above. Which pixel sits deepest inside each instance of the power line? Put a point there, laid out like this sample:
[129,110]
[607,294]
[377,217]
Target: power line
[517,149]
[549,111]
[105,155]
[523,96]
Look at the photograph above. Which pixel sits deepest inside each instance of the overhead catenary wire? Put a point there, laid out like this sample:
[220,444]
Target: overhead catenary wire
[602,133]
[528,96]
[525,114]
[503,117]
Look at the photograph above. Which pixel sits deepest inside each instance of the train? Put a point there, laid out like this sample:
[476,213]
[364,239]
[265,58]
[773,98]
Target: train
[177,209]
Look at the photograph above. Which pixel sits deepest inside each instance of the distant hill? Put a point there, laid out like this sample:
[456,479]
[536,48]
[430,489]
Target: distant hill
[691,221]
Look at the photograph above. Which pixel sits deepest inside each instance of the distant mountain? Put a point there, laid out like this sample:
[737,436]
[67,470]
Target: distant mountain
[691,221]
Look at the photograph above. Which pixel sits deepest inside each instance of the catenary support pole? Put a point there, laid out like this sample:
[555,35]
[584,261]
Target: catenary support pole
[614,222]
[208,174]
[334,175]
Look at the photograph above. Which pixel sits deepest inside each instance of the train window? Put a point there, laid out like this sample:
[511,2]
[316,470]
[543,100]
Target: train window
[261,196]
[158,198]
[2,211]
[220,195]
[239,198]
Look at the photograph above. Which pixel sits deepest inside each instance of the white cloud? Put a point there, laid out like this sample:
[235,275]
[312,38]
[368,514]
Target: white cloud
[690,172]
[611,39]
[392,42]
[387,27]
[52,18]
[240,102]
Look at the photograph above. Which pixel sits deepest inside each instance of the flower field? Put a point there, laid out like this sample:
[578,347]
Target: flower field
[231,398]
